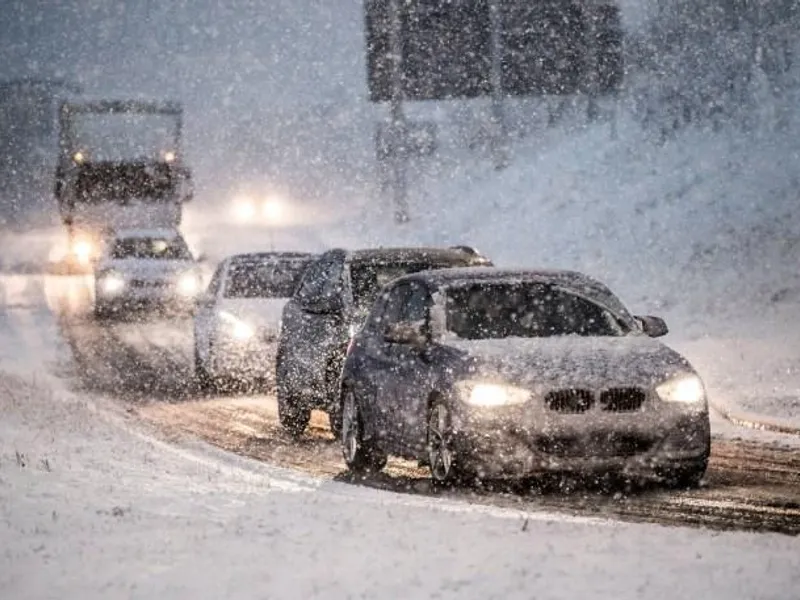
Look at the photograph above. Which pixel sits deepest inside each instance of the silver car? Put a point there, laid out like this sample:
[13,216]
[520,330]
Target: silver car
[488,373]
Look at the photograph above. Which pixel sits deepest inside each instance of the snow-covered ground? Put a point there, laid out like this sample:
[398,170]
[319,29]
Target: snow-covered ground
[93,507]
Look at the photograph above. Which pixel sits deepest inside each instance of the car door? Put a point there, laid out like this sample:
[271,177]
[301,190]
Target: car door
[313,322]
[411,371]
[376,368]
[205,316]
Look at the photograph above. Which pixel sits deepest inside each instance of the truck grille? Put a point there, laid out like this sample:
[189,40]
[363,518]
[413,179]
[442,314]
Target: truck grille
[144,283]
[569,400]
[628,399]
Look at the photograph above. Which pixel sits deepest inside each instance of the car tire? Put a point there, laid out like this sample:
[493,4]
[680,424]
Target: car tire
[361,456]
[441,456]
[204,380]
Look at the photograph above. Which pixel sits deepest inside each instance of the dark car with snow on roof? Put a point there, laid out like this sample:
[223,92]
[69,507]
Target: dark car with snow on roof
[330,303]
[484,373]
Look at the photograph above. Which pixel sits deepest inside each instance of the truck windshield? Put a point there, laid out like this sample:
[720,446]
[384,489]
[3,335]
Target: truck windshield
[98,182]
[151,248]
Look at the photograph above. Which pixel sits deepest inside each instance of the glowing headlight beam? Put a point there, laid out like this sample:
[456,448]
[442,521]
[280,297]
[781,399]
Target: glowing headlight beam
[79,157]
[82,251]
[188,284]
[112,284]
[684,389]
[236,328]
[244,209]
[491,394]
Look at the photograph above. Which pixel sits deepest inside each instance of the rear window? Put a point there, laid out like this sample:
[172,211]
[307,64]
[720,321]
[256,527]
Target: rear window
[265,279]
[151,248]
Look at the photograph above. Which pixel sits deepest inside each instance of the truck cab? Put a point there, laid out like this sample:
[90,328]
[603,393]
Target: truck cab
[120,167]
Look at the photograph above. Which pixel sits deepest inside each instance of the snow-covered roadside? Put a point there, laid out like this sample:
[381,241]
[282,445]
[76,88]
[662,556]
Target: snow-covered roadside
[91,509]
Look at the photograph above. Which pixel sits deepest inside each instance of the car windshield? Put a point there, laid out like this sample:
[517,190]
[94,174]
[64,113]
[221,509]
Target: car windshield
[500,310]
[369,277]
[264,279]
[151,248]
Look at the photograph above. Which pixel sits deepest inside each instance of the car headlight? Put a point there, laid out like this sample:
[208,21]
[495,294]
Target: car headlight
[111,283]
[83,250]
[245,209]
[685,389]
[188,284]
[491,394]
[235,327]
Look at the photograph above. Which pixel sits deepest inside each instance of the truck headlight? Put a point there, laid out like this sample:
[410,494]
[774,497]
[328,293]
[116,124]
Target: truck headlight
[188,284]
[685,389]
[235,327]
[478,393]
[112,283]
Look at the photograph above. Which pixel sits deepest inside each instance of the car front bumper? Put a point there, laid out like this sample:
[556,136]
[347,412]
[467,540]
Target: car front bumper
[633,444]
[162,298]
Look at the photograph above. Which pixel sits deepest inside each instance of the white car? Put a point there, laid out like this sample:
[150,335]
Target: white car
[238,319]
[146,269]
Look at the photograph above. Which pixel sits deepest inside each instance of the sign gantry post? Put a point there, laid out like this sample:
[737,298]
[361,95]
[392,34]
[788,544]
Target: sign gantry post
[397,128]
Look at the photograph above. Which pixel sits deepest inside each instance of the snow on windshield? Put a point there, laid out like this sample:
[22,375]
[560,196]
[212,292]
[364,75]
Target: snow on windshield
[150,248]
[273,279]
[500,310]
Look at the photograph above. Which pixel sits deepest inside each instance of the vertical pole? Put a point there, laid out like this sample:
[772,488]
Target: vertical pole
[399,154]
[499,131]
[592,64]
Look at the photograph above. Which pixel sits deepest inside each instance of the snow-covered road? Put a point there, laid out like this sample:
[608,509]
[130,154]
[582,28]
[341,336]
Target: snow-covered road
[92,506]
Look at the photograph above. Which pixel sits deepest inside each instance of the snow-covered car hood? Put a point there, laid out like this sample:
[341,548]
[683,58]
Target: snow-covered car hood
[263,313]
[148,269]
[571,361]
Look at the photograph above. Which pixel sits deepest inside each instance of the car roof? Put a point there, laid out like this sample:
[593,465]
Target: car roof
[251,257]
[157,232]
[456,256]
[457,276]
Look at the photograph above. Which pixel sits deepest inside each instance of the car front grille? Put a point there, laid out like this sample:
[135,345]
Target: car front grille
[144,283]
[569,400]
[575,400]
[627,399]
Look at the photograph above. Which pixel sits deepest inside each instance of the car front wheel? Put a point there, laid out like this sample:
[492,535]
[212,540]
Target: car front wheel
[441,456]
[360,455]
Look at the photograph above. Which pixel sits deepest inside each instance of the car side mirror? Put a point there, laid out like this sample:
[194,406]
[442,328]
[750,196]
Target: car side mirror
[653,326]
[406,332]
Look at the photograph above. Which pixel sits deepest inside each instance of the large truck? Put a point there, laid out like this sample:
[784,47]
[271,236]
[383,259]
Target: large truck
[120,166]
[28,150]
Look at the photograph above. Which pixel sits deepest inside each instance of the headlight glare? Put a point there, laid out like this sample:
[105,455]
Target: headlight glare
[491,394]
[235,327]
[111,283]
[684,389]
[188,284]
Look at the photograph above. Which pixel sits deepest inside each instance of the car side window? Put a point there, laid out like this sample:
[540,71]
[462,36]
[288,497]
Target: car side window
[415,304]
[393,306]
[321,279]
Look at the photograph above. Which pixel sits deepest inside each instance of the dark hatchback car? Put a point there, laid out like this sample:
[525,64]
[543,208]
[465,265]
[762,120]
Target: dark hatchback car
[330,304]
[485,373]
